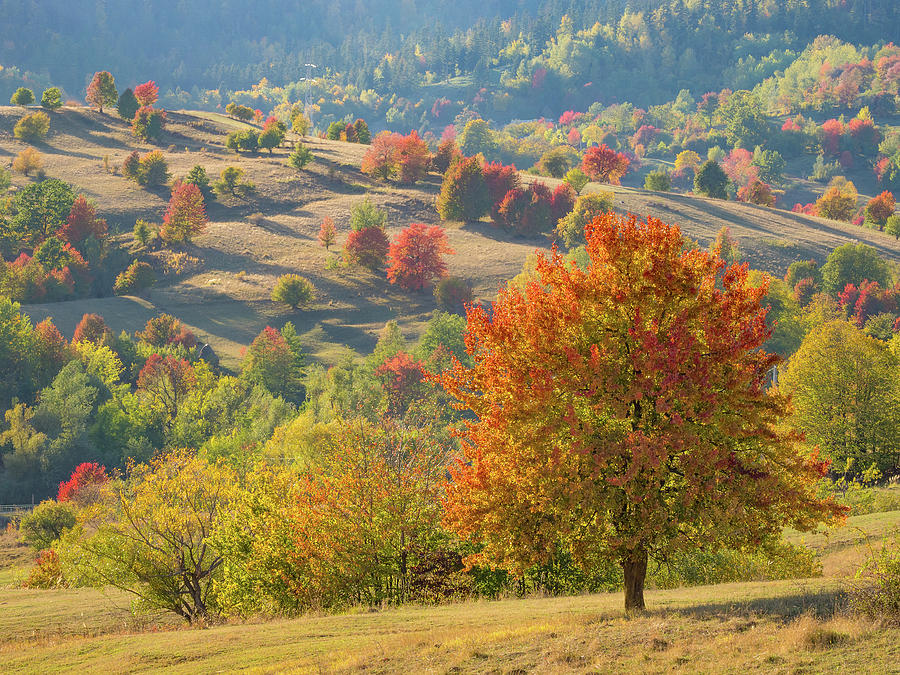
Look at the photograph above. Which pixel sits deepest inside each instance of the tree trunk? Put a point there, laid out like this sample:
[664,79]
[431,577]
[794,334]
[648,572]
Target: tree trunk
[634,566]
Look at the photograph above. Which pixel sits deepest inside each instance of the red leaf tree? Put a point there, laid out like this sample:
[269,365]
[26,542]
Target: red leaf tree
[605,164]
[186,215]
[147,93]
[327,233]
[102,90]
[84,479]
[367,247]
[82,223]
[416,256]
[165,330]
[402,380]
[397,157]
[621,412]
[92,328]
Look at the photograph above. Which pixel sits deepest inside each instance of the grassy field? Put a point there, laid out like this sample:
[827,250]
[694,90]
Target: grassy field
[796,626]
[249,243]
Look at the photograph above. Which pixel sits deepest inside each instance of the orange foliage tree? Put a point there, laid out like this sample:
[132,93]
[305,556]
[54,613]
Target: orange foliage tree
[327,233]
[186,215]
[605,164]
[82,223]
[147,93]
[397,157]
[880,208]
[416,256]
[621,412]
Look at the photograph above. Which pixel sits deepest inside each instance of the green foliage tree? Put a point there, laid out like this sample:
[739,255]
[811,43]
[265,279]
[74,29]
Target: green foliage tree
[293,290]
[270,138]
[51,99]
[365,214]
[197,176]
[846,397]
[148,123]
[153,169]
[745,123]
[232,183]
[32,128]
[892,226]
[711,181]
[40,209]
[127,105]
[243,141]
[464,193]
[300,157]
[577,179]
[770,164]
[557,161]
[853,264]
[477,137]
[22,96]
[658,180]
[102,90]
[570,228]
[19,352]
[300,124]
[49,521]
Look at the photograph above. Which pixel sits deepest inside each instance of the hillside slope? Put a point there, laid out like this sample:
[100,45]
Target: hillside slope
[225,297]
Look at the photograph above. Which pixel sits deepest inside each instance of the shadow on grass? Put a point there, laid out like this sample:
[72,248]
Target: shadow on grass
[822,604]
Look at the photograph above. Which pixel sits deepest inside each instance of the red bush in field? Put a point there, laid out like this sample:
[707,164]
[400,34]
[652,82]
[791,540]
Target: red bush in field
[416,256]
[147,93]
[85,475]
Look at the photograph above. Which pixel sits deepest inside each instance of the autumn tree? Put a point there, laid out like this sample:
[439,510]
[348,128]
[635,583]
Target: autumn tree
[102,90]
[621,412]
[605,164]
[127,105]
[92,328]
[232,183]
[27,161]
[82,223]
[853,264]
[148,123]
[327,233]
[82,484]
[570,228]
[367,247]
[146,94]
[757,192]
[880,208]
[393,156]
[165,383]
[166,331]
[446,154]
[271,362]
[32,128]
[416,256]
[185,216]
[293,290]
[839,200]
[464,191]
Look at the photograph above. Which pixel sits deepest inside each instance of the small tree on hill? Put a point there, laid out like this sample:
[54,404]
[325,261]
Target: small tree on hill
[367,247]
[232,182]
[621,413]
[658,181]
[365,214]
[880,208]
[363,135]
[146,94]
[605,164]
[127,105]
[446,154]
[300,124]
[577,179]
[570,228]
[32,128]
[185,217]
[51,99]
[243,141]
[416,256]
[711,180]
[92,328]
[197,176]
[27,161]
[102,90]
[22,96]
[270,138]
[464,191]
[153,170]
[82,223]
[300,157]
[839,200]
[148,123]
[293,290]
[327,233]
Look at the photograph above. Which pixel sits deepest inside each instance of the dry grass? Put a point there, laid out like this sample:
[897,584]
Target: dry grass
[251,242]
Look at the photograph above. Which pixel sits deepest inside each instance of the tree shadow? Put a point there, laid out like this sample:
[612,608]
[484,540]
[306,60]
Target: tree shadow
[821,604]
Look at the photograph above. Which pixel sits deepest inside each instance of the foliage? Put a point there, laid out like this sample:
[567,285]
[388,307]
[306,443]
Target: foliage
[22,96]
[877,595]
[232,183]
[557,161]
[711,180]
[453,293]
[185,216]
[41,209]
[367,247]
[365,214]
[152,535]
[447,153]
[146,94]
[534,209]
[416,256]
[300,124]
[327,233]
[81,488]
[577,179]
[757,192]
[92,328]
[272,362]
[102,91]
[293,290]
[464,192]
[579,408]
[197,176]
[393,156]
[892,226]
[246,140]
[880,208]
[32,128]
[605,164]
[239,111]
[127,105]
[148,123]
[135,278]
[46,523]
[164,331]
[271,137]
[846,397]
[476,138]
[149,170]
[47,572]
[853,264]
[27,161]
[570,228]
[82,223]
[839,200]
[658,181]
[300,157]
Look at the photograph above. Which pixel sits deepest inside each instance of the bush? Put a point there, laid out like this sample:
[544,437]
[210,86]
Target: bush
[231,182]
[5,180]
[22,96]
[452,294]
[570,228]
[32,128]
[367,247]
[365,214]
[51,99]
[243,141]
[658,181]
[241,112]
[49,520]
[577,179]
[148,123]
[153,170]
[892,226]
[135,278]
[27,161]
[464,192]
[293,290]
[300,157]
[877,595]
[47,572]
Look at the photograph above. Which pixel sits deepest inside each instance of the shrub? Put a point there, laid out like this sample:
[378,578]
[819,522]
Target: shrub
[577,179]
[232,182]
[300,124]
[82,223]
[5,180]
[22,96]
[32,128]
[148,123]
[241,112]
[452,294]
[363,135]
[131,167]
[300,157]
[877,595]
[892,226]
[557,161]
[166,331]
[80,488]
[711,181]
[464,191]
[153,170]
[397,157]
[365,214]
[658,181]
[499,179]
[270,138]
[47,572]
[27,161]
[757,192]
[327,233]
[367,247]
[839,200]
[135,278]
[416,256]
[51,99]
[293,290]
[127,105]
[197,176]
[243,141]
[570,228]
[49,520]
